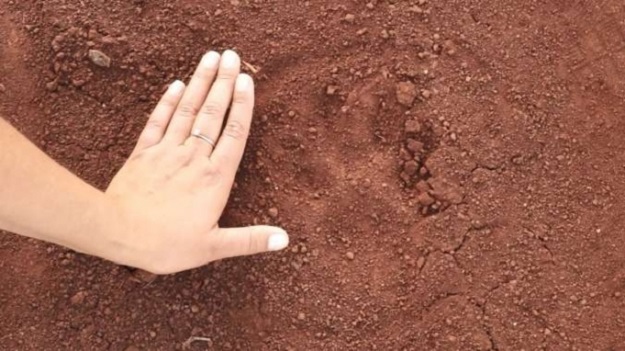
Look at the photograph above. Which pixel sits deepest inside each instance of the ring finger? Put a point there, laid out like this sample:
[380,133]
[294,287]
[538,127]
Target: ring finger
[208,124]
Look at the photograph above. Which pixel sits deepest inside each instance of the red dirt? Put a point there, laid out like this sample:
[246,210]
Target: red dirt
[451,172]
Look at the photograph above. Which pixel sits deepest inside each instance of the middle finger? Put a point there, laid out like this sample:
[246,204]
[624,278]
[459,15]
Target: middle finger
[210,120]
[195,94]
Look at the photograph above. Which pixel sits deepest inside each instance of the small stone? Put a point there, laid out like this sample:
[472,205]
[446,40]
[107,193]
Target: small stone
[426,93]
[144,276]
[99,58]
[78,298]
[420,262]
[411,168]
[385,34]
[423,186]
[350,255]
[301,316]
[414,146]
[331,89]
[405,155]
[108,40]
[412,126]
[406,93]
[425,199]
[52,86]
[370,6]
[478,224]
[2,88]
[350,18]
[362,31]
[273,212]
[195,309]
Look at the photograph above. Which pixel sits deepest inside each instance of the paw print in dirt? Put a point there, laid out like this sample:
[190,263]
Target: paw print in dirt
[432,194]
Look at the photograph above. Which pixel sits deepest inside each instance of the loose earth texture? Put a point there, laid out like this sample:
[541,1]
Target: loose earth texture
[452,173]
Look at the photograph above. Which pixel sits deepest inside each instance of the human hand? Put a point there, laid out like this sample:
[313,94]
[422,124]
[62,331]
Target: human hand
[172,191]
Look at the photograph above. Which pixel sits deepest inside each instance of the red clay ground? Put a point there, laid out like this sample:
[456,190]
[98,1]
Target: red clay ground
[452,173]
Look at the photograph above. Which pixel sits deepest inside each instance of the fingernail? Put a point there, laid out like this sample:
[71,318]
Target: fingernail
[243,82]
[278,241]
[230,59]
[210,60]
[176,87]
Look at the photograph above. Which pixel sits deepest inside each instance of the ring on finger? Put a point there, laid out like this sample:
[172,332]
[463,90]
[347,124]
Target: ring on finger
[198,134]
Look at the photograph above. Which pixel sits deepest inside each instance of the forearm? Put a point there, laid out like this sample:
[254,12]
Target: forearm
[41,199]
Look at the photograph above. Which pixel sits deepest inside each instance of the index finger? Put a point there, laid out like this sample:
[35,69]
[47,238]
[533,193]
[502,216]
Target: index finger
[231,145]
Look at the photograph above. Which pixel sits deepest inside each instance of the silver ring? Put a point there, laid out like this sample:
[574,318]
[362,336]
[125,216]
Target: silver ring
[197,134]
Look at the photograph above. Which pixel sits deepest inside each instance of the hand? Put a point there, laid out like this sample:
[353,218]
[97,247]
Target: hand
[172,191]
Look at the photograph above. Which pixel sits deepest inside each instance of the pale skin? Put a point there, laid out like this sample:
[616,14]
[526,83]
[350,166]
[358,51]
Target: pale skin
[161,211]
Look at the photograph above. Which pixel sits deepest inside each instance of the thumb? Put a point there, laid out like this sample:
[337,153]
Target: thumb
[232,242]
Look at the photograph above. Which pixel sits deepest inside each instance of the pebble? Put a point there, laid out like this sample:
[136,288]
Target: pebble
[99,58]
[420,262]
[301,316]
[423,186]
[425,199]
[2,88]
[411,168]
[78,298]
[385,34]
[350,18]
[350,255]
[144,276]
[412,126]
[414,145]
[406,93]
[52,86]
[426,93]
[331,89]
[273,212]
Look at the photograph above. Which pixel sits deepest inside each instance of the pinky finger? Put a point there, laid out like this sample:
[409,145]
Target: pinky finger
[159,119]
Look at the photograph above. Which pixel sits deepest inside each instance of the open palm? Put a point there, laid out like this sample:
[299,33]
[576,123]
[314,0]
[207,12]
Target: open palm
[174,187]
